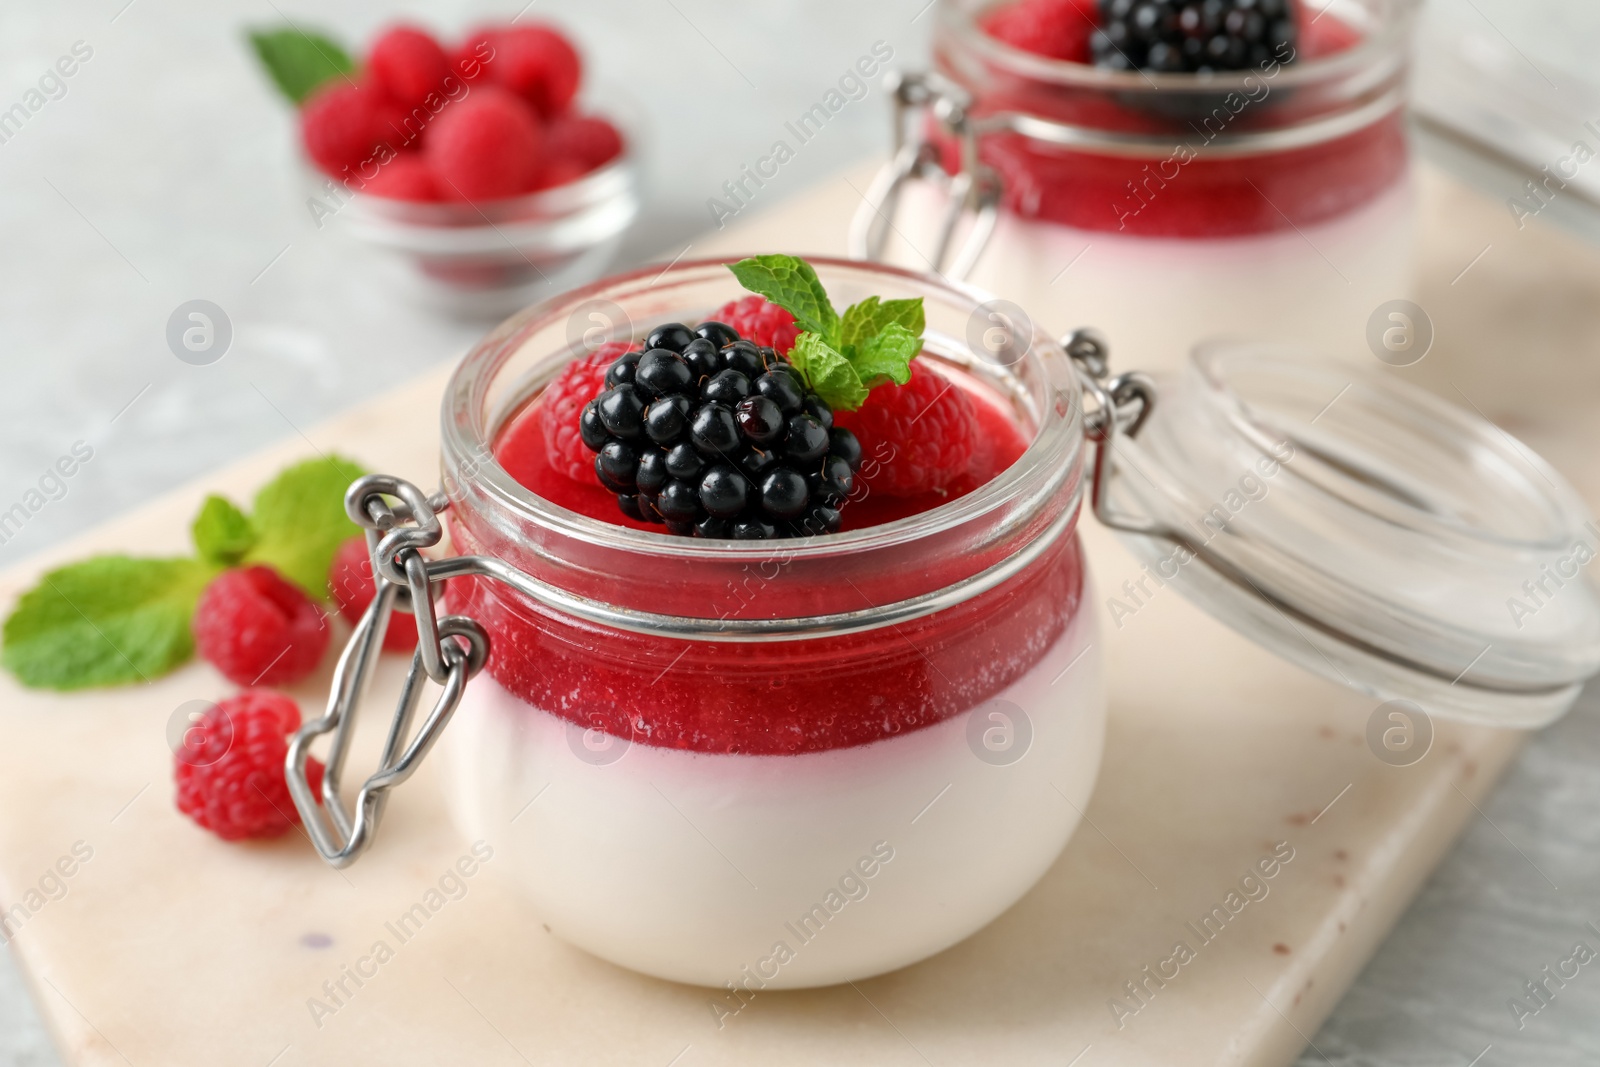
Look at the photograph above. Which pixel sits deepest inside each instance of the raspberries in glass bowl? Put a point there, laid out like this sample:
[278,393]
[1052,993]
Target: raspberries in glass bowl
[476,165]
[490,119]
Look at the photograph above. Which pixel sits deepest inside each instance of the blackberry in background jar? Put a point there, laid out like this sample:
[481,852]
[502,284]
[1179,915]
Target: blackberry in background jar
[1169,37]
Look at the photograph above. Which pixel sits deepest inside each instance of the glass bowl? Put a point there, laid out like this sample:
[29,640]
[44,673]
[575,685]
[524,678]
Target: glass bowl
[488,259]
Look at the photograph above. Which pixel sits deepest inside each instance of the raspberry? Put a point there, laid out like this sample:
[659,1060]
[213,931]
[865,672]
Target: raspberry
[342,125]
[397,126]
[715,436]
[756,319]
[561,172]
[563,402]
[1059,29]
[471,59]
[408,64]
[230,771]
[920,437]
[486,147]
[350,584]
[405,177]
[538,64]
[258,629]
[577,144]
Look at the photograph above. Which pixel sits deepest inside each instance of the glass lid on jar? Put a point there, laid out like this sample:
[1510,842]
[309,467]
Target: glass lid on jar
[1366,530]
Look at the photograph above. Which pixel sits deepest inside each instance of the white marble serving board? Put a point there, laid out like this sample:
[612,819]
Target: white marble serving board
[169,946]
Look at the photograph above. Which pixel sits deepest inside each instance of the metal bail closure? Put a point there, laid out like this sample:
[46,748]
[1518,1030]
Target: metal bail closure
[974,190]
[400,520]
[1358,526]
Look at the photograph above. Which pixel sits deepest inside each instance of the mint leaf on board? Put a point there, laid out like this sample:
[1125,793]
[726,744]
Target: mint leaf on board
[105,621]
[827,373]
[886,356]
[300,521]
[789,282]
[222,533]
[114,619]
[871,316]
[299,62]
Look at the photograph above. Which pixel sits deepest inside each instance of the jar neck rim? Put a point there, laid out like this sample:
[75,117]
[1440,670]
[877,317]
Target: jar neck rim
[1052,459]
[1385,43]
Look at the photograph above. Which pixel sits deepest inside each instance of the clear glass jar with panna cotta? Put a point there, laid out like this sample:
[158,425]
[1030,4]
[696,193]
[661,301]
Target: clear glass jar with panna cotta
[1274,202]
[791,763]
[710,793]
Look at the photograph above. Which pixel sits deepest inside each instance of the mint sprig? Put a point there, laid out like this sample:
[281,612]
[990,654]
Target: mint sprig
[870,317]
[105,621]
[222,533]
[886,356]
[300,522]
[113,619]
[841,357]
[789,282]
[828,373]
[299,62]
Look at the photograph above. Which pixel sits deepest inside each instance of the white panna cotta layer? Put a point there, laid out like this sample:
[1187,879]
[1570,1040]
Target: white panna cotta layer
[1154,298]
[782,872]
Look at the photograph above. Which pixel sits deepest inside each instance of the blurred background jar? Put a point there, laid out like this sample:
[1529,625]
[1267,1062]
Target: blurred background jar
[1274,201]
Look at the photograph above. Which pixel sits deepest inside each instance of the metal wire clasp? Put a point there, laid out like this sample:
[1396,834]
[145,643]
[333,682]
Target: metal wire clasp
[974,189]
[400,521]
[1123,405]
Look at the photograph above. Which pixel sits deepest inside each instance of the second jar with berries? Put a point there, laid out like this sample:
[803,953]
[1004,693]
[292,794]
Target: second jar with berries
[1174,171]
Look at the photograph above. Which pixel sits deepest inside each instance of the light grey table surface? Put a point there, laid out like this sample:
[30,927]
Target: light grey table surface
[165,174]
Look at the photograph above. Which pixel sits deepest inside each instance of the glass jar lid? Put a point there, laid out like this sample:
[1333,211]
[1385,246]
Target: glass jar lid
[1363,529]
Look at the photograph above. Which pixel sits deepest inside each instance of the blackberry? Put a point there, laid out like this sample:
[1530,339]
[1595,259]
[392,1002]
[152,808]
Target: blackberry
[621,411]
[1193,36]
[712,435]
[720,334]
[703,356]
[746,358]
[672,336]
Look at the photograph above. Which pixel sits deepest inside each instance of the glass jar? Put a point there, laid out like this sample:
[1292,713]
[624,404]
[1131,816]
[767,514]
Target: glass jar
[865,788]
[793,763]
[488,259]
[1167,208]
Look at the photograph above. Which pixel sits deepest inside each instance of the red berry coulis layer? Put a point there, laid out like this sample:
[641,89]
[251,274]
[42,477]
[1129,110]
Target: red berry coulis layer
[773,698]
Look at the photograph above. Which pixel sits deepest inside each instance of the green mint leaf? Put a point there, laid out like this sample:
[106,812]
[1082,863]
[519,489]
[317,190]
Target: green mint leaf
[790,283]
[828,372]
[886,356]
[299,62]
[300,521]
[222,533]
[867,319]
[105,621]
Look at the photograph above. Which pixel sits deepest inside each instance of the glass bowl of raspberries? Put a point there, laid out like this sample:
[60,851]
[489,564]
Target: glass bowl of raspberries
[479,164]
